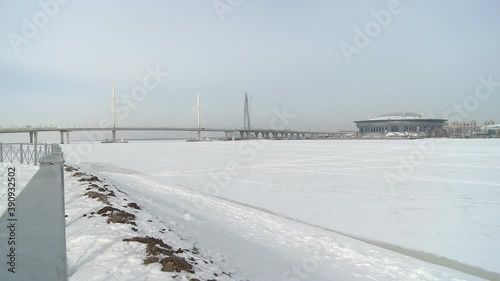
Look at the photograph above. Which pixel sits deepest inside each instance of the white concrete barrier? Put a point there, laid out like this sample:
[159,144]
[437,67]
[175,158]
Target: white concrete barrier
[32,230]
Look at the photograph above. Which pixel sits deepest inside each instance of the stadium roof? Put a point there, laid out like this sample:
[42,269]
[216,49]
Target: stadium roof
[398,115]
[402,116]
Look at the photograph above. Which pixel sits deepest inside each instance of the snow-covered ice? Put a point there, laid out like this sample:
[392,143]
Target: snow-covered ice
[446,206]
[301,210]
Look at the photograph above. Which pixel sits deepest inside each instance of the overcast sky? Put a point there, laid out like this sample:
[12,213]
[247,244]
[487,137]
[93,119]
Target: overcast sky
[428,54]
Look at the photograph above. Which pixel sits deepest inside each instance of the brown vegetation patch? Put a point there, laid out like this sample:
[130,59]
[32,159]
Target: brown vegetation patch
[156,247]
[175,264]
[104,211]
[70,169]
[91,179]
[148,241]
[117,216]
[133,205]
[99,196]
[150,260]
[153,250]
[79,175]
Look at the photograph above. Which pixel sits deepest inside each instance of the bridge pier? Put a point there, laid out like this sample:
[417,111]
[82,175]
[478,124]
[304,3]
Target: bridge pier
[31,137]
[114,135]
[62,136]
[230,135]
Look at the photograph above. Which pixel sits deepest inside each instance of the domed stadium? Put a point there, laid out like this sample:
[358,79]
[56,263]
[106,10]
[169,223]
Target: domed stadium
[401,123]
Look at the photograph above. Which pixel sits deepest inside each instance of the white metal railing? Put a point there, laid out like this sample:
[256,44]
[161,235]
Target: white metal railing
[23,152]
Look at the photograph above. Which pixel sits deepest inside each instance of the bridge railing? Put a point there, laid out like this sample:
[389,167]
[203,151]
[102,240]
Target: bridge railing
[23,152]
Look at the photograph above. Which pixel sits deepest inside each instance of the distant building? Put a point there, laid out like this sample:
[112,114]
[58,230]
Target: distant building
[401,124]
[491,130]
[489,123]
[463,129]
[467,129]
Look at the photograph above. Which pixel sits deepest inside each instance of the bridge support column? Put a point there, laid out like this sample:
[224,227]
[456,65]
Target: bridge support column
[31,137]
[198,137]
[67,137]
[62,137]
[114,135]
[230,135]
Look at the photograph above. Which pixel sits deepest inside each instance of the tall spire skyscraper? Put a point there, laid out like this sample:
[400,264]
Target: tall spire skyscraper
[246,114]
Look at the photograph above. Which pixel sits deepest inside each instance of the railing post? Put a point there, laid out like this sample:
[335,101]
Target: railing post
[21,153]
[35,134]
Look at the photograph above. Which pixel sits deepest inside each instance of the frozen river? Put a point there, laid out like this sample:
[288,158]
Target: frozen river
[436,202]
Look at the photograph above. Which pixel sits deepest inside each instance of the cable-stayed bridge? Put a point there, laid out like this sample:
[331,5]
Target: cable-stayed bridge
[231,133]
[245,132]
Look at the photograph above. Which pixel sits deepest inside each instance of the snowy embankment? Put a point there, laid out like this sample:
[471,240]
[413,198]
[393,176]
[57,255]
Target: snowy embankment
[111,237]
